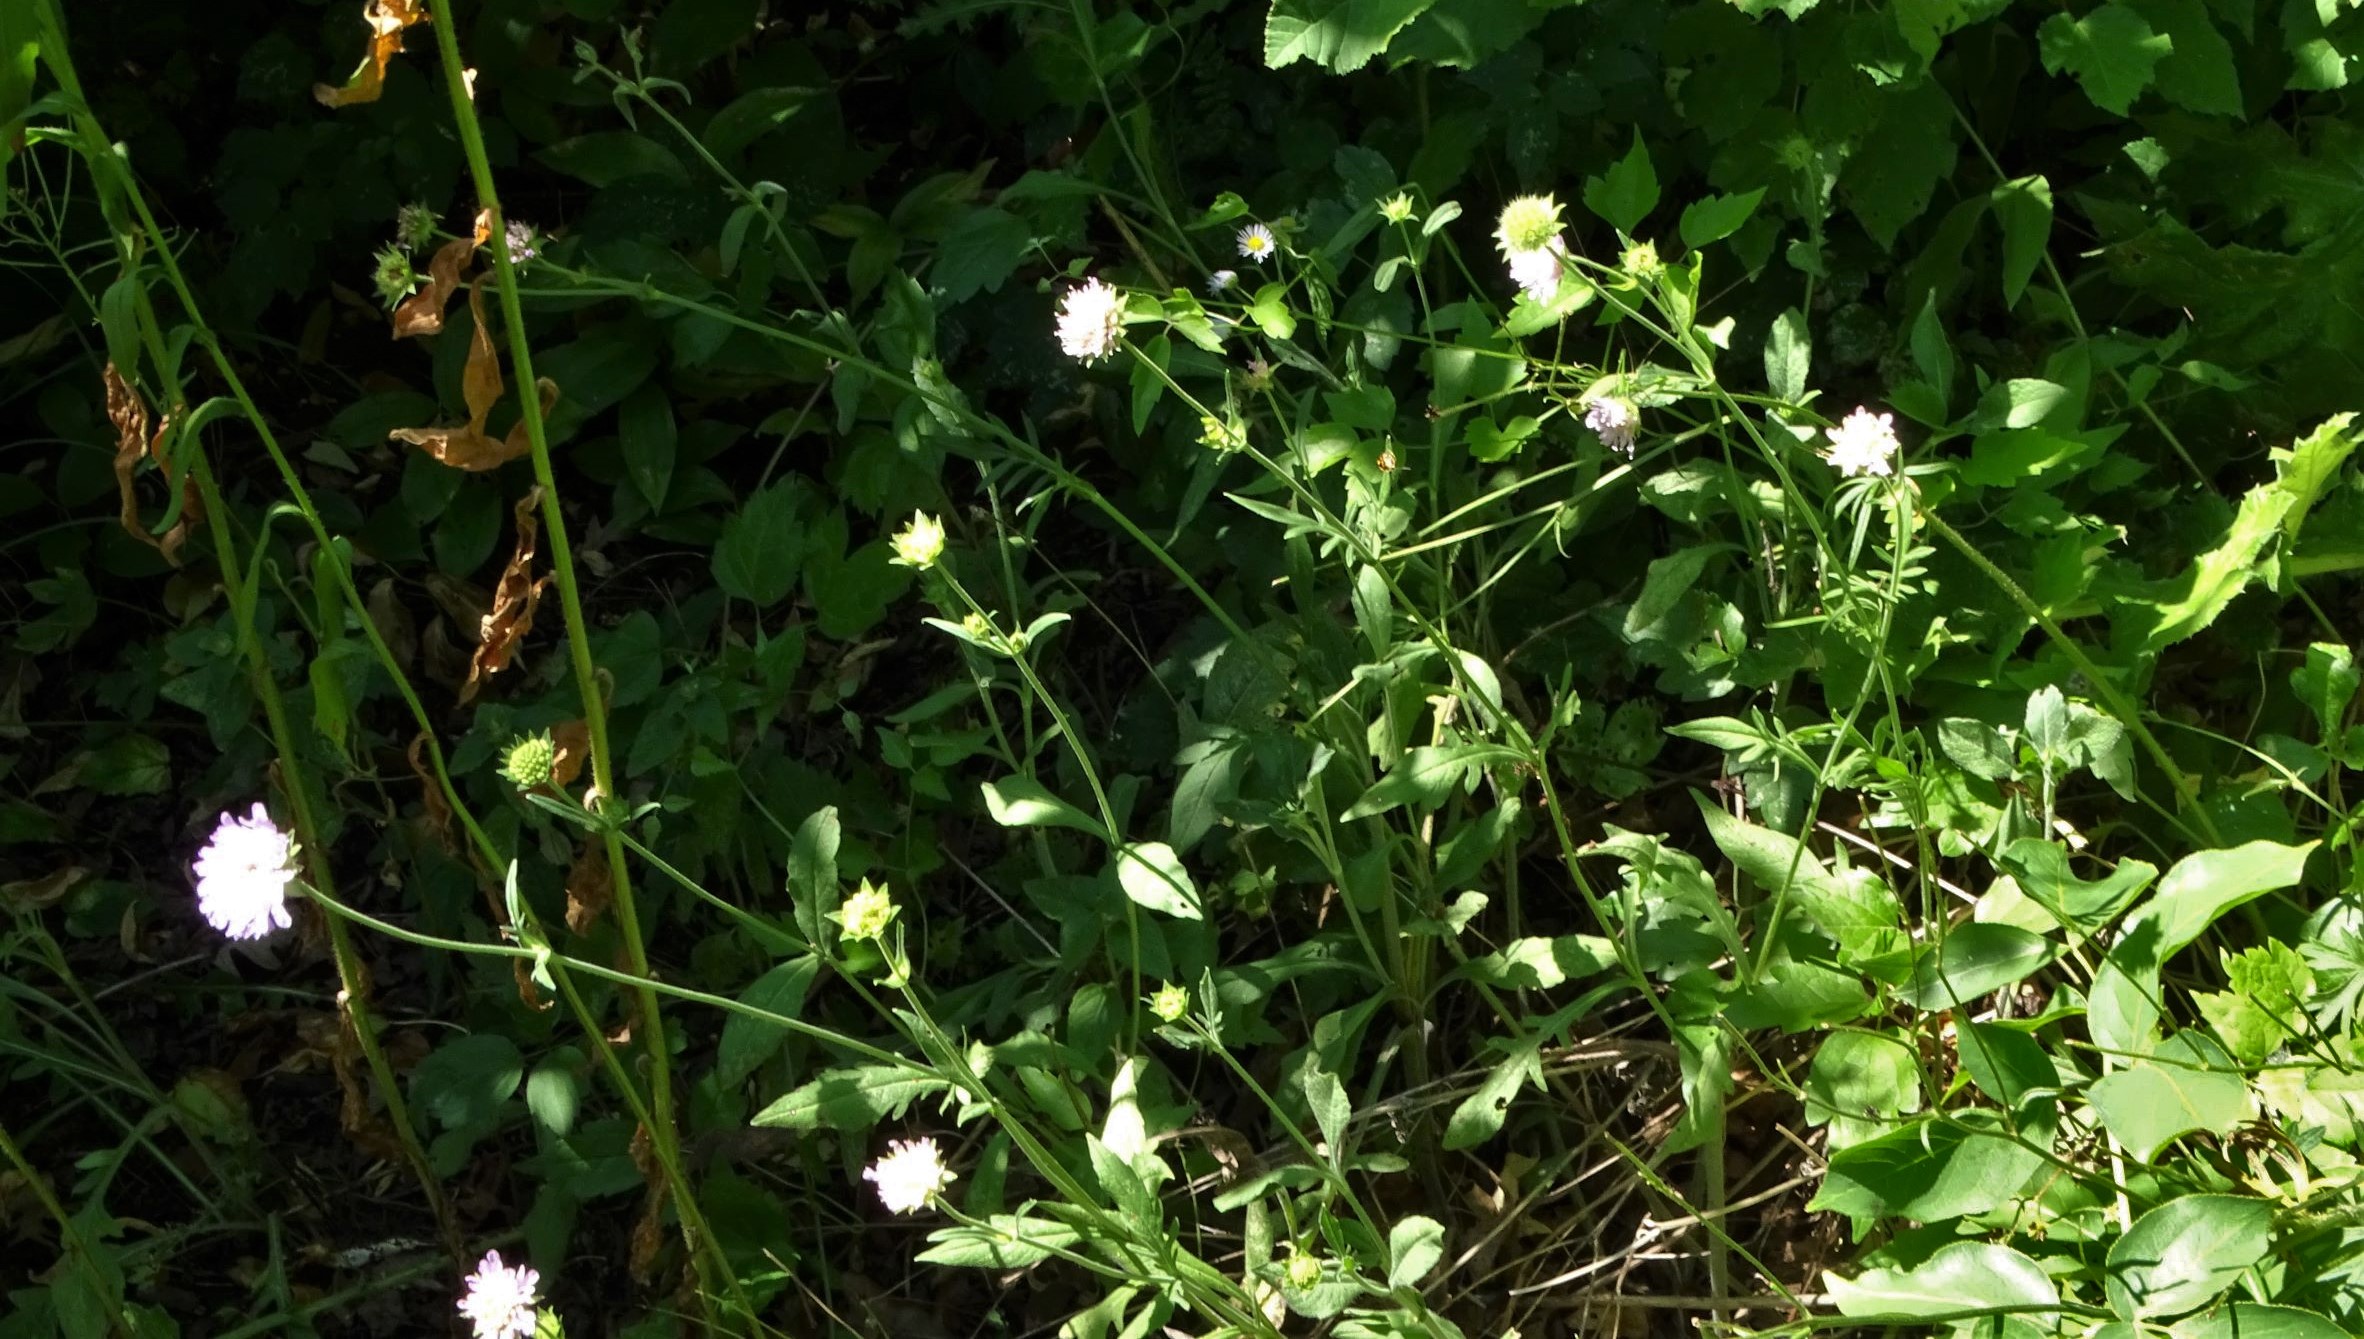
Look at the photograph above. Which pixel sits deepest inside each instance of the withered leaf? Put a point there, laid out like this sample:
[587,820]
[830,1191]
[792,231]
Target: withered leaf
[386,20]
[590,886]
[129,413]
[573,741]
[431,793]
[468,447]
[422,312]
[512,613]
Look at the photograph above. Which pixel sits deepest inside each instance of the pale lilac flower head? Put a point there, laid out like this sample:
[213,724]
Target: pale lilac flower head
[525,245]
[1865,443]
[1613,418]
[1256,243]
[242,876]
[911,1174]
[1091,320]
[500,1299]
[1537,272]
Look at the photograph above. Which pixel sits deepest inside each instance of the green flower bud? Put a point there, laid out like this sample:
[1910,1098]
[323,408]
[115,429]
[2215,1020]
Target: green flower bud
[529,761]
[1170,1002]
[393,278]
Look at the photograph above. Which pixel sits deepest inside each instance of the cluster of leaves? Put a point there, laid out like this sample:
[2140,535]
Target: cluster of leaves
[1493,804]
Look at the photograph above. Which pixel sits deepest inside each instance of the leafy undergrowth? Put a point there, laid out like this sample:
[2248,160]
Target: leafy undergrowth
[1404,667]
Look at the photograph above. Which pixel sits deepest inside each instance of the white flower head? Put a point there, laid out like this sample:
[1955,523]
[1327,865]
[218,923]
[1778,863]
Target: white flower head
[1865,443]
[866,912]
[1221,280]
[911,1174]
[1612,417]
[242,876]
[1529,223]
[1537,272]
[500,1300]
[1091,321]
[920,543]
[1397,208]
[1256,243]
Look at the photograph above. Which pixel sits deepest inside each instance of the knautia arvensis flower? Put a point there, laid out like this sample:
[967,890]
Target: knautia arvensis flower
[500,1300]
[1864,443]
[1091,321]
[242,875]
[910,1174]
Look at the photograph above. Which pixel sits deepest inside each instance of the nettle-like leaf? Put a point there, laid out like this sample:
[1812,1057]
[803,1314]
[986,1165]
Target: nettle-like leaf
[2113,52]
[1341,35]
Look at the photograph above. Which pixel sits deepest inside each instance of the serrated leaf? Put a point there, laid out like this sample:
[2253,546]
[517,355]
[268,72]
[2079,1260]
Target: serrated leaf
[851,1099]
[2112,52]
[1627,192]
[1717,217]
[1424,777]
[1340,35]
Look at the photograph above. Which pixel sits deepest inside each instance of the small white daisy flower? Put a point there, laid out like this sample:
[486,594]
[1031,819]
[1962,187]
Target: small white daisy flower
[911,1174]
[1537,273]
[1613,418]
[1221,280]
[1256,244]
[1864,444]
[500,1300]
[242,876]
[1091,320]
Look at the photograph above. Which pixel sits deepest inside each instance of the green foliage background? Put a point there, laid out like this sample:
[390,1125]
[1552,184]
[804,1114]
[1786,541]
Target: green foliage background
[1925,901]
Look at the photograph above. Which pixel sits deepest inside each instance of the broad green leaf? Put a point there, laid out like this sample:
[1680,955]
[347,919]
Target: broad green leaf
[2309,468]
[1975,960]
[851,1099]
[1327,1098]
[1480,1115]
[751,116]
[1003,1241]
[1023,802]
[1717,217]
[1152,875]
[2188,1084]
[1668,580]
[1341,35]
[812,872]
[649,436]
[606,157]
[1627,192]
[2041,869]
[554,1092]
[1930,1170]
[2326,683]
[761,552]
[2023,209]
[2257,1320]
[1424,777]
[1857,911]
[1414,1246]
[1890,179]
[979,253]
[1149,378]
[2112,52]
[2199,73]
[2205,885]
[1959,1282]
[747,1042]
[1861,1083]
[2186,1253]
[463,1082]
[2006,1063]
[1270,311]
[1789,355]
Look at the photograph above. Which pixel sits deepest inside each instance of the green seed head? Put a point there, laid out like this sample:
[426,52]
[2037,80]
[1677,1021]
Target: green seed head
[1170,1002]
[393,277]
[529,761]
[1529,223]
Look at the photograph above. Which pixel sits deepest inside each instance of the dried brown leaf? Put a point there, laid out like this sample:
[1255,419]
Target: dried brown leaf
[573,741]
[512,613]
[129,413]
[648,1235]
[590,887]
[386,20]
[431,793]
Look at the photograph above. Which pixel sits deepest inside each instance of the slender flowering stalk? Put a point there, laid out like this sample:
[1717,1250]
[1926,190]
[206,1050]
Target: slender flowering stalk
[500,1299]
[1865,443]
[1256,243]
[911,1174]
[1091,321]
[242,876]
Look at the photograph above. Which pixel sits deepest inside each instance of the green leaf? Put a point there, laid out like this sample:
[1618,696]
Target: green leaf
[2112,52]
[979,253]
[761,552]
[1003,1241]
[2023,209]
[1414,1246]
[1327,1099]
[2187,1253]
[464,1081]
[1858,912]
[2311,467]
[1975,960]
[1789,355]
[1930,1170]
[2199,73]
[2188,1084]
[851,1099]
[2006,1063]
[812,872]
[606,157]
[649,437]
[1717,217]
[1148,378]
[2326,683]
[2205,885]
[1861,1082]
[2257,1320]
[1538,963]
[1490,443]
[1890,179]
[1480,1115]
[1023,802]
[1152,875]
[1627,192]
[1424,777]
[1961,1281]
[751,116]
[1668,580]
[1340,35]
[131,764]
[554,1092]
[1269,309]
[747,1042]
